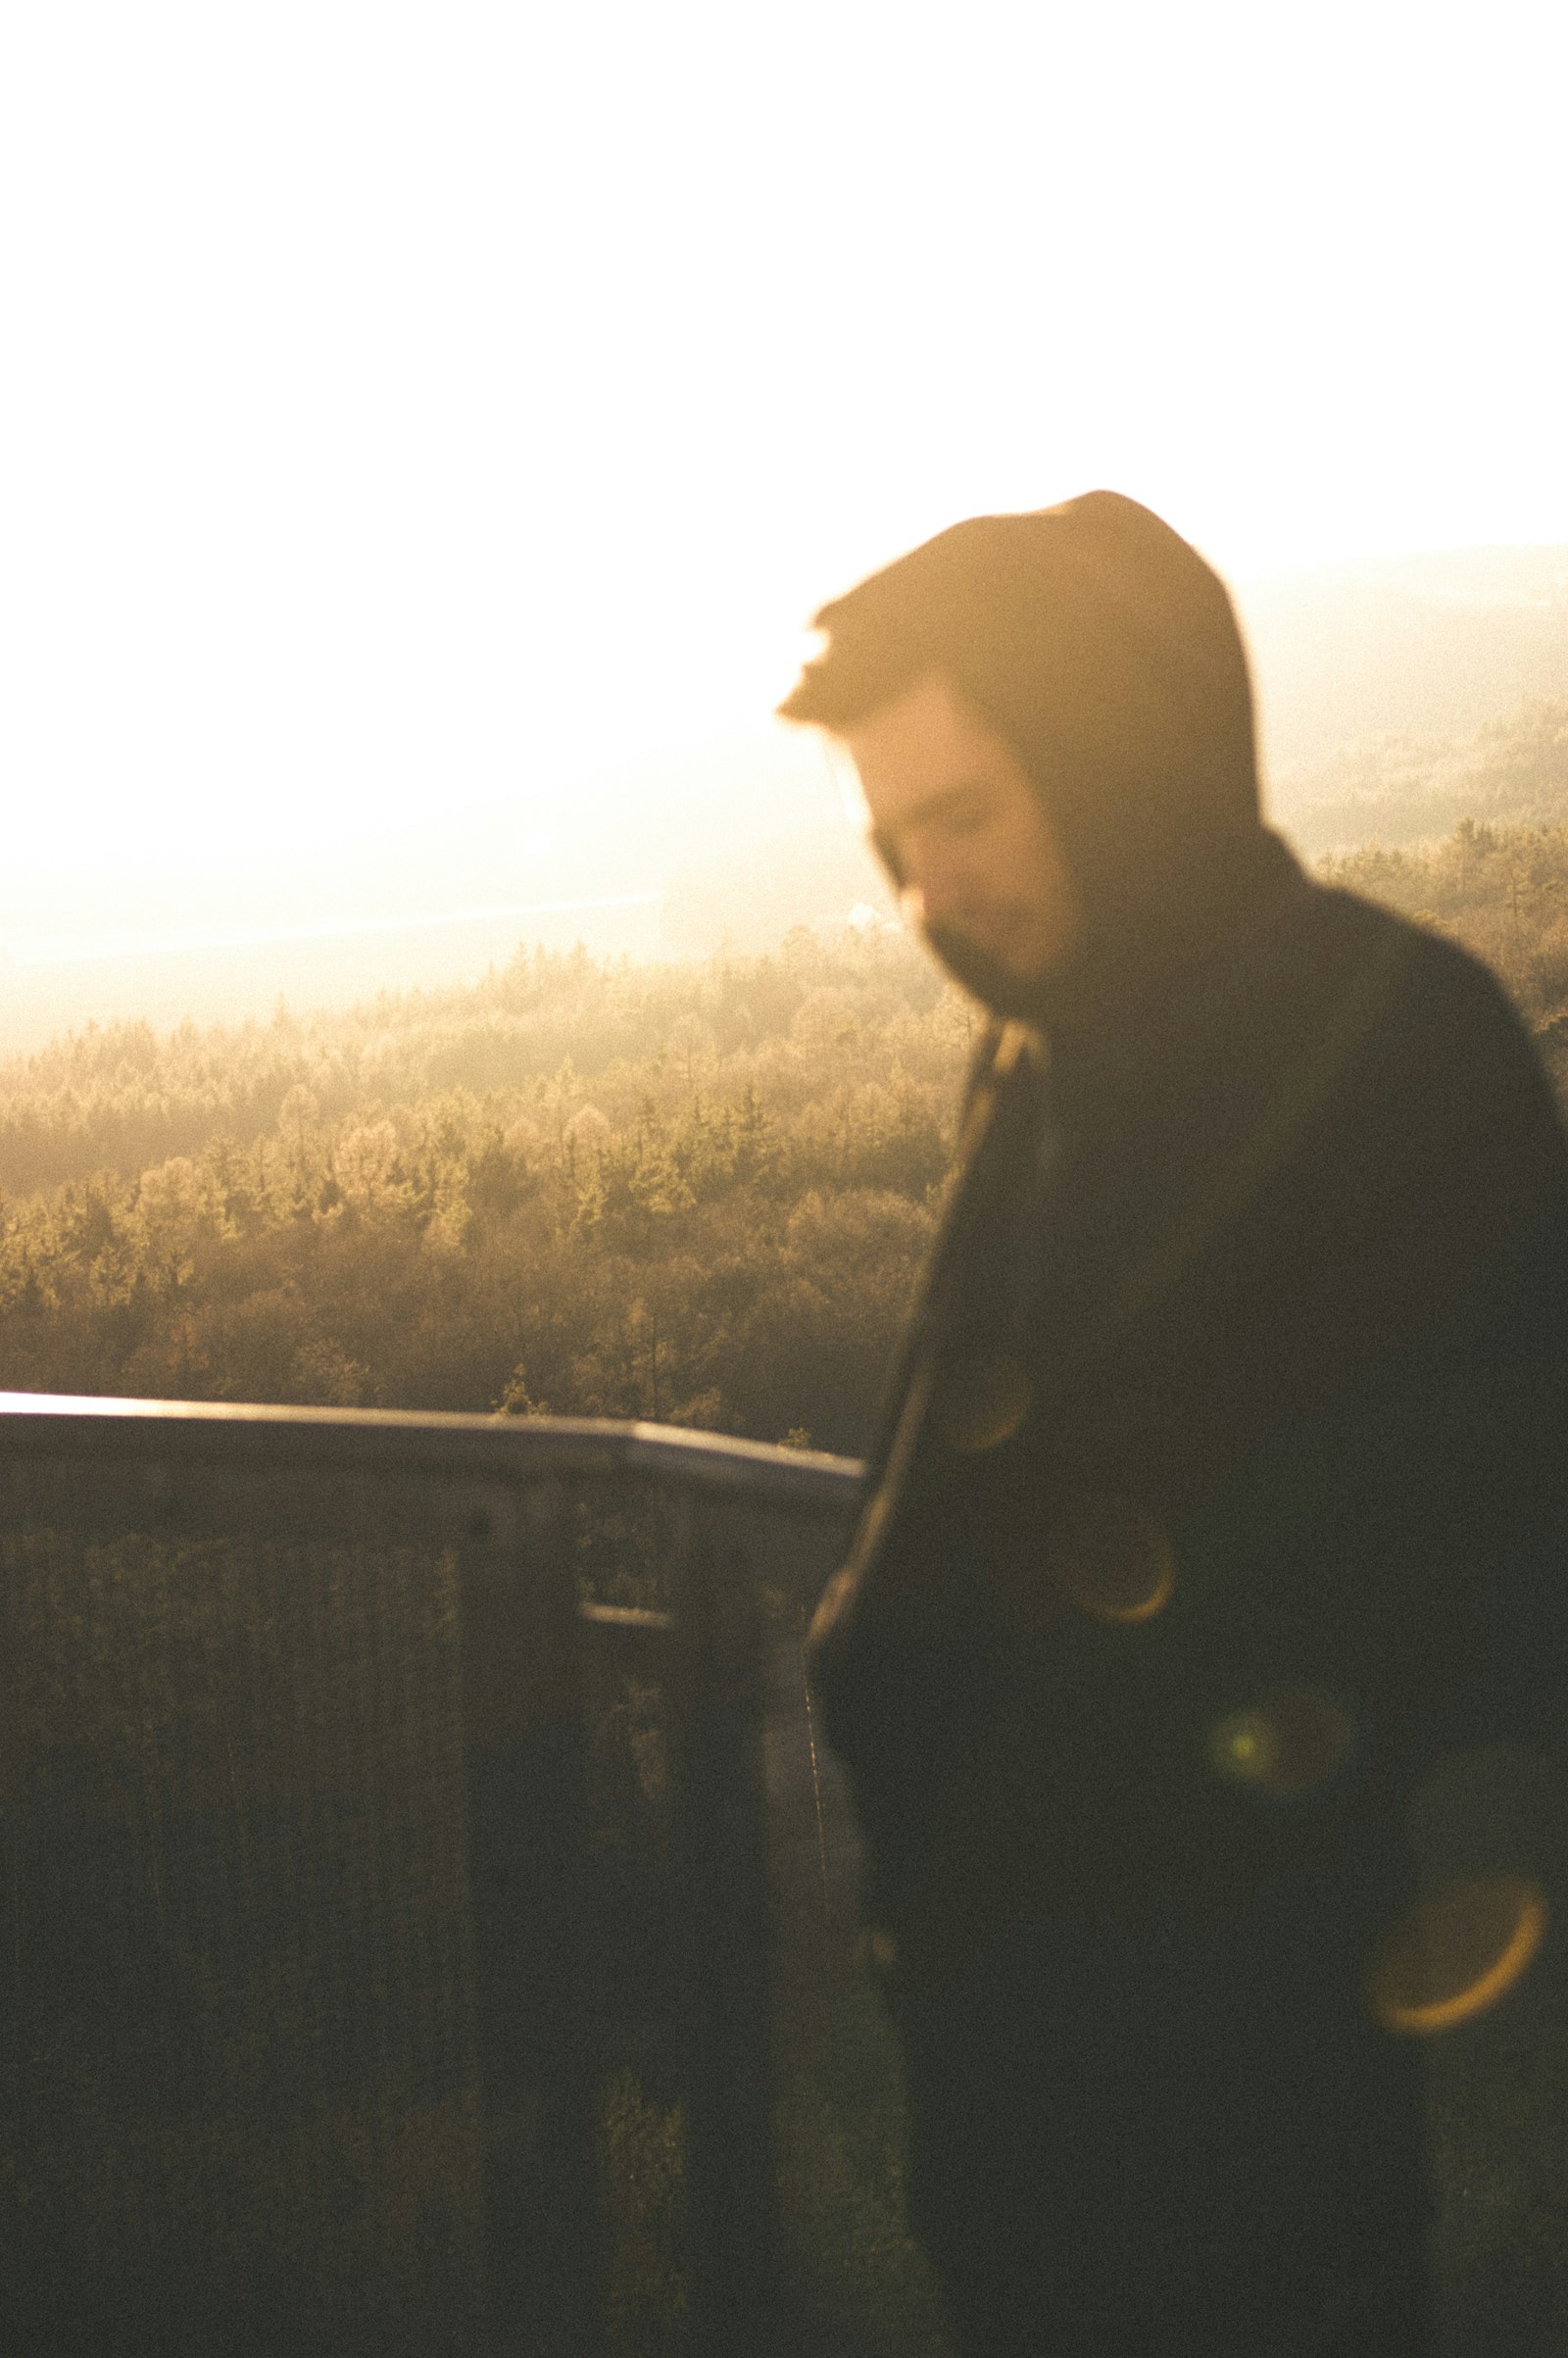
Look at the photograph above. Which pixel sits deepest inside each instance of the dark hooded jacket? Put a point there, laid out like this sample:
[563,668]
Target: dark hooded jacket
[1218,1519]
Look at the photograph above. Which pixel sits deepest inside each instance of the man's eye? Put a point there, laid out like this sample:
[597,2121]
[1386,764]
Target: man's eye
[967,817]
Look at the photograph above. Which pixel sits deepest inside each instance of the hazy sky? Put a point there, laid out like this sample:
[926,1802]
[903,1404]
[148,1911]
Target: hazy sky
[420,402]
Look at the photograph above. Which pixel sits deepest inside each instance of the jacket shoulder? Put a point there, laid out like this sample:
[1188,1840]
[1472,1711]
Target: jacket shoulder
[1438,998]
[1367,926]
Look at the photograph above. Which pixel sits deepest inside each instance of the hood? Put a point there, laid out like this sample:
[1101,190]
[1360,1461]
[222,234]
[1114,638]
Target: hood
[1104,649]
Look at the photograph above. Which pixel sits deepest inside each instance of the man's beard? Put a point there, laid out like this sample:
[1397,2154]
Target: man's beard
[993,984]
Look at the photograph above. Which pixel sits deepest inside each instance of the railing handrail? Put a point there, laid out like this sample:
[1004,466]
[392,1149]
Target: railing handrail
[90,1430]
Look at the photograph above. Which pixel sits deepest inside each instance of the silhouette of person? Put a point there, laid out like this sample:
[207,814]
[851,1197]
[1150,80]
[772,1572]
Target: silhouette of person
[1195,1659]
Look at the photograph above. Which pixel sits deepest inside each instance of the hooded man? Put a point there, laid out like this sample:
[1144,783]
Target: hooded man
[1196,1661]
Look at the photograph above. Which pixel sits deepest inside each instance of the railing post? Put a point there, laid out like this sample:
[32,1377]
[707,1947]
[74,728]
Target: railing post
[535,1976]
[722,1834]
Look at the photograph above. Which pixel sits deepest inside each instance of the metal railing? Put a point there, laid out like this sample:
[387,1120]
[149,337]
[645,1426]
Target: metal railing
[390,1859]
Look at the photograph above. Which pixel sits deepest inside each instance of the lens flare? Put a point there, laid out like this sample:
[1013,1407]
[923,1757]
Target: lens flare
[1109,1557]
[1455,1952]
[981,1402]
[1290,1739]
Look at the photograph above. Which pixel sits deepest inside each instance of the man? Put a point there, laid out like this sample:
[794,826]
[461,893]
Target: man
[1195,1659]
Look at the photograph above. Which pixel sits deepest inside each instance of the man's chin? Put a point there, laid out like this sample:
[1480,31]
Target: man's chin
[985,976]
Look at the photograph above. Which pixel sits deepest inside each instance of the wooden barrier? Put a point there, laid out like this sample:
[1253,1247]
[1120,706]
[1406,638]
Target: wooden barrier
[379,1795]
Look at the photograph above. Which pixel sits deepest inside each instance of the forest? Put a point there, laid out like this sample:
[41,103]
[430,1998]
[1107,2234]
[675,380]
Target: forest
[694,1193]
[698,1193]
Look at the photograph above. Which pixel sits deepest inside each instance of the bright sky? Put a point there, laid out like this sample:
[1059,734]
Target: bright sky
[409,402]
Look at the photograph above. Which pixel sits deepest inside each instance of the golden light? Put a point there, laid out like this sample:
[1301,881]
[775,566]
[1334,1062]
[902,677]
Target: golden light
[981,1402]
[417,493]
[1110,1557]
[1289,1741]
[1455,1952]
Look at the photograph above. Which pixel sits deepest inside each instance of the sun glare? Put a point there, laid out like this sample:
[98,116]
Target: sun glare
[409,411]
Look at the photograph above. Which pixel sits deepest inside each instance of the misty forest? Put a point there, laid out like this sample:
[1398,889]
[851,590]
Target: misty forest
[697,1192]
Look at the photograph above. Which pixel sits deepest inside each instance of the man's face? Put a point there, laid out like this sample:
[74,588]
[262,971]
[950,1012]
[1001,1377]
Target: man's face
[966,839]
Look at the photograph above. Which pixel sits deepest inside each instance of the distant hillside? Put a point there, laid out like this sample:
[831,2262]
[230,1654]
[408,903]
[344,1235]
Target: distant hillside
[1514,772]
[1432,645]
